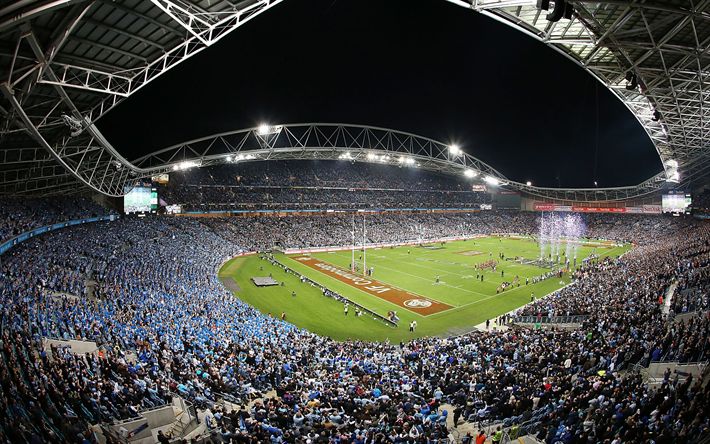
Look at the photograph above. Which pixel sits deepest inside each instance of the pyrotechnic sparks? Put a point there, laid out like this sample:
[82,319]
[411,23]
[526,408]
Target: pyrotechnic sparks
[557,231]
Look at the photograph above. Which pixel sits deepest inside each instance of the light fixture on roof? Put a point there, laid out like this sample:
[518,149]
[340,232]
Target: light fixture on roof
[242,156]
[469,173]
[632,78]
[404,160]
[490,180]
[528,183]
[454,150]
[672,173]
[345,156]
[265,129]
[371,156]
[186,165]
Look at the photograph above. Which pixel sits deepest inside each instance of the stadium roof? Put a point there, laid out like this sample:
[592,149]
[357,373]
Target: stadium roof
[65,63]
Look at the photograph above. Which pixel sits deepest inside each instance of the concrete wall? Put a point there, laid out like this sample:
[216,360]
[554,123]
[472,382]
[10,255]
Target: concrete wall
[77,347]
[132,425]
[159,417]
[686,316]
[656,369]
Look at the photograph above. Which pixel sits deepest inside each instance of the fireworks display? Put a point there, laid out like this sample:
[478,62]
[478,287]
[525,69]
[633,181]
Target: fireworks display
[559,236]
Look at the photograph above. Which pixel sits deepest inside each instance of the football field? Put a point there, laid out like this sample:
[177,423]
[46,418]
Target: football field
[447,288]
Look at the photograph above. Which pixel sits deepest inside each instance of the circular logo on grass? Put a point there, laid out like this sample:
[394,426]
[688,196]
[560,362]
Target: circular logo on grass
[417,303]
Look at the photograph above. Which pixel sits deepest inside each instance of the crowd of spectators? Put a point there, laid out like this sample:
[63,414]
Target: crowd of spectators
[701,202]
[18,215]
[321,174]
[157,297]
[308,184]
[225,198]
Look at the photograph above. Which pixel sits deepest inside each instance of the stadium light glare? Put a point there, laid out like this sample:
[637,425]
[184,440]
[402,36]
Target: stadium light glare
[406,160]
[265,129]
[674,177]
[239,157]
[371,156]
[470,173]
[345,156]
[490,180]
[672,173]
[454,150]
[186,165]
[528,183]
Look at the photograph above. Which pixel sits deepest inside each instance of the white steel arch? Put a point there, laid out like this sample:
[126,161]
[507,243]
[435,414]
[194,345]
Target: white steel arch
[358,143]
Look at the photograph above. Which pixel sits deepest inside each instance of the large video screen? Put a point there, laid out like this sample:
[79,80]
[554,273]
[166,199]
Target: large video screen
[676,203]
[140,199]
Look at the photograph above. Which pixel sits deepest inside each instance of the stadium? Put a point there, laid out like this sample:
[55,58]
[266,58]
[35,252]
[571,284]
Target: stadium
[514,249]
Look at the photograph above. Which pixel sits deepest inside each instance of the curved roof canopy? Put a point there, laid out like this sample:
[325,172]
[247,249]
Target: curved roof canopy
[65,63]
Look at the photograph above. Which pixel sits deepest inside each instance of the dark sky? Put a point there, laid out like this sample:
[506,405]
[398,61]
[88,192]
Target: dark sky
[423,66]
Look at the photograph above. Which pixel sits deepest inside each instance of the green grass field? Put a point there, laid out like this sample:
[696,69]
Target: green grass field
[410,268]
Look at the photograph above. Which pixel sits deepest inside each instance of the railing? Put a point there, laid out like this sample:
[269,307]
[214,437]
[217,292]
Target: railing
[574,319]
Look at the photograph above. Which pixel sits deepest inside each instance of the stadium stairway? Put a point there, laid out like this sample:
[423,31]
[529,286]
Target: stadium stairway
[653,374]
[668,298]
[687,316]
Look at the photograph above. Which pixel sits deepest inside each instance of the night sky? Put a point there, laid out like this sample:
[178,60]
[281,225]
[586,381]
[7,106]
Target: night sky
[423,66]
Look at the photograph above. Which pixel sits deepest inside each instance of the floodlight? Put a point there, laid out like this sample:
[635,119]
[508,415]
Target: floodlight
[469,173]
[490,180]
[266,129]
[406,160]
[672,163]
[371,156]
[673,177]
[454,149]
[185,165]
[528,183]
